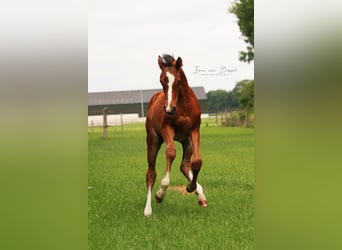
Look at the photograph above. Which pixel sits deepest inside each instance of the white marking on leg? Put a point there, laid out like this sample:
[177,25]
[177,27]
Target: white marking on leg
[164,185]
[199,189]
[169,91]
[166,180]
[190,175]
[148,207]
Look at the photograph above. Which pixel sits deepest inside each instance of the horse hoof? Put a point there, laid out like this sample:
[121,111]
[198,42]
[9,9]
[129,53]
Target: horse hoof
[148,212]
[203,203]
[158,199]
[190,188]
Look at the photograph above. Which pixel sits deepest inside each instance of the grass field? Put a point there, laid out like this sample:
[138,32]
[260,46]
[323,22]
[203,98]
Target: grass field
[117,193]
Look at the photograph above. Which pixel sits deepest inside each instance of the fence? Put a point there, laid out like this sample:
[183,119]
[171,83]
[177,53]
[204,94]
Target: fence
[236,118]
[112,120]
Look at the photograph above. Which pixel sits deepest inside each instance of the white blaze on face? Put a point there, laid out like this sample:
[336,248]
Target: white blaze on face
[169,91]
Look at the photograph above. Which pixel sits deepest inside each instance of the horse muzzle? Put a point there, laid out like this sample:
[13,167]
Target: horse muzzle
[169,110]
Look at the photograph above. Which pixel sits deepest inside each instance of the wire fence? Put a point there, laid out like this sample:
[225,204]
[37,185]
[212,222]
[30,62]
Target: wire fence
[236,118]
[114,120]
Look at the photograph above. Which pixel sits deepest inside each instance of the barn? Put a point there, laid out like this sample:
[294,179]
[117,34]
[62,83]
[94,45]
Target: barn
[132,101]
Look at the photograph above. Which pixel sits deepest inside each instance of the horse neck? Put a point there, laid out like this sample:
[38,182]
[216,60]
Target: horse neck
[185,88]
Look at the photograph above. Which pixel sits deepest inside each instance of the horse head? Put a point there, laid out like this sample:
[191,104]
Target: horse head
[170,79]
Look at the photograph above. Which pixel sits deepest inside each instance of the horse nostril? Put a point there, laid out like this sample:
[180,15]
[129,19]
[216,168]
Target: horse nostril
[169,110]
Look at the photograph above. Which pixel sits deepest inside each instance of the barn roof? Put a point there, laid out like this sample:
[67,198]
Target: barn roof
[131,96]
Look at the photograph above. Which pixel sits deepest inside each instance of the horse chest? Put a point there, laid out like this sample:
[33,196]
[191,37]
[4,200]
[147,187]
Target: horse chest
[183,122]
[182,127]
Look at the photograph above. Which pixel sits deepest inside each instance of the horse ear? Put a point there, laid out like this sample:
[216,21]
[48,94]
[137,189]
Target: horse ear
[160,62]
[179,63]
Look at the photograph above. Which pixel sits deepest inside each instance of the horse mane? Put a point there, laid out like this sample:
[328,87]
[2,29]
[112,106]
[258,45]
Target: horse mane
[167,59]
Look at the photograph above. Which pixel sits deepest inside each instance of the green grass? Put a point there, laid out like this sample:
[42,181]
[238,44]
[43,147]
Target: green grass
[117,196]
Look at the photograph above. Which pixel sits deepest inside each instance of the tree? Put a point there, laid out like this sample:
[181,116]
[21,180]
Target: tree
[233,100]
[244,11]
[220,100]
[244,90]
[217,100]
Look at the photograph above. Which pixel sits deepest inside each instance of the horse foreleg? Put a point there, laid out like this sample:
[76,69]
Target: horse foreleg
[150,180]
[153,146]
[164,185]
[170,153]
[185,167]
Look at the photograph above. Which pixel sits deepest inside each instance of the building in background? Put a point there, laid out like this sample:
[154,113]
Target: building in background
[132,101]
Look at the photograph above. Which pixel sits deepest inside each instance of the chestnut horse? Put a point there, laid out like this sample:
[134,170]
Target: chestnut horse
[173,114]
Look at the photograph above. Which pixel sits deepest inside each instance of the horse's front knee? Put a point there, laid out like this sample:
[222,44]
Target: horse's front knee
[170,152]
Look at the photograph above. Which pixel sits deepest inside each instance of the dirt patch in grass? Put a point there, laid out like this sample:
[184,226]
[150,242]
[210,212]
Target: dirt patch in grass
[180,189]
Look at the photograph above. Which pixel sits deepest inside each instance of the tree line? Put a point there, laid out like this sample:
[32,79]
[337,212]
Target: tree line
[241,97]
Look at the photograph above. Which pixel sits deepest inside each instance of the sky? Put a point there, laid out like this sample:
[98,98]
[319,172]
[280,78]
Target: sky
[125,38]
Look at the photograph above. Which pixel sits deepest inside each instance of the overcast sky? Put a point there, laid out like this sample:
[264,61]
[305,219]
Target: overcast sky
[125,38]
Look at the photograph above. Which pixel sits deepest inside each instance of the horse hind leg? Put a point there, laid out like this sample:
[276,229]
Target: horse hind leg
[196,161]
[202,200]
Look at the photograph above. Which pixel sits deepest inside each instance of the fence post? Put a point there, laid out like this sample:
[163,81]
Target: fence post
[246,119]
[121,121]
[225,118]
[105,126]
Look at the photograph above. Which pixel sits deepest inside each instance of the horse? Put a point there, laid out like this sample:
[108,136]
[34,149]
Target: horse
[173,114]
